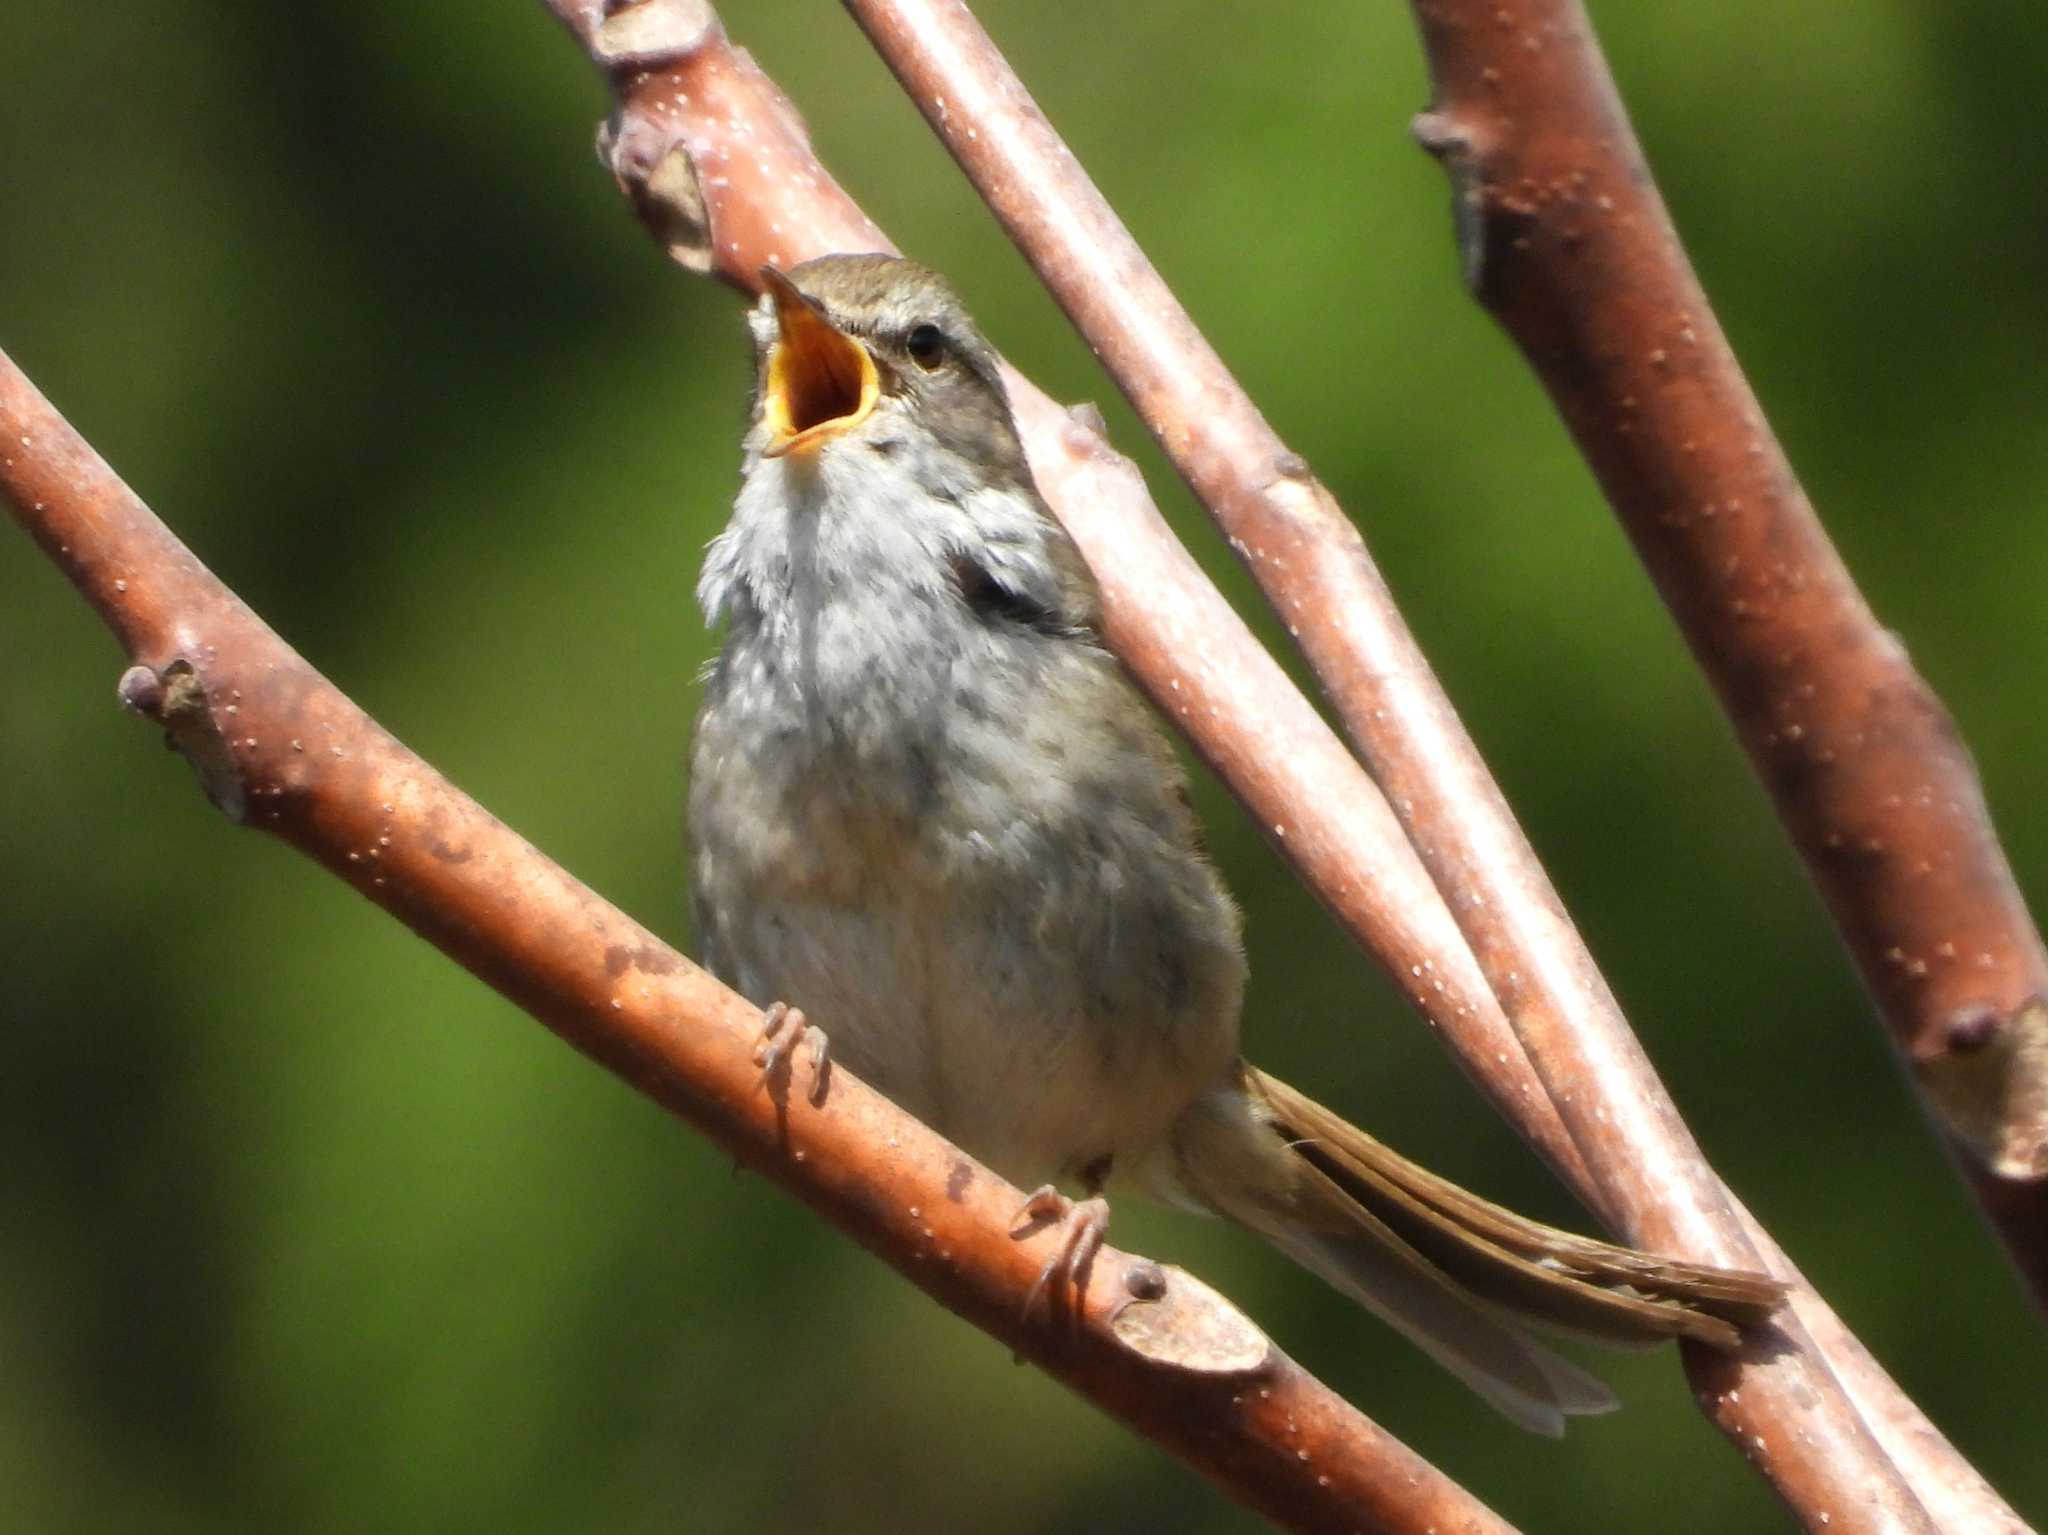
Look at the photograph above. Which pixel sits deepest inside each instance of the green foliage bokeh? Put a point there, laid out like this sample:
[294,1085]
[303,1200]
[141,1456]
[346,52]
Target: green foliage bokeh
[301,1228]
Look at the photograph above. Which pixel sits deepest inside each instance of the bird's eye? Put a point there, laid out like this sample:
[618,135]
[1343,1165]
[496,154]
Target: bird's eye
[926,345]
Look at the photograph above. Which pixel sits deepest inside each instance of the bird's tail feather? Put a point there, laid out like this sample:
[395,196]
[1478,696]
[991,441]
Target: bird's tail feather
[1451,1271]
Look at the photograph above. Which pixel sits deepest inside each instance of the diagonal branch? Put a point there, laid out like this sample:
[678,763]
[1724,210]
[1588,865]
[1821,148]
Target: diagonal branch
[1568,244]
[277,747]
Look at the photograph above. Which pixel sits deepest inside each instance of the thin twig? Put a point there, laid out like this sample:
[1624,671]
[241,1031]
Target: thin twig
[277,747]
[1313,566]
[1567,242]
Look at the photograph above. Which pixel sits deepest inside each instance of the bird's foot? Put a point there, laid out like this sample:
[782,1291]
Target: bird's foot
[1063,1282]
[783,1028]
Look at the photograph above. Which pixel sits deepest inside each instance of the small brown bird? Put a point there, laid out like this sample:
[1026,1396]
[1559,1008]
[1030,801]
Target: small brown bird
[927,805]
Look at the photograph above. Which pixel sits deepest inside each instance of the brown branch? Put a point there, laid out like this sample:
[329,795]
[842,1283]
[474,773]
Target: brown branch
[687,100]
[1952,1491]
[277,747]
[718,166]
[1314,568]
[1567,242]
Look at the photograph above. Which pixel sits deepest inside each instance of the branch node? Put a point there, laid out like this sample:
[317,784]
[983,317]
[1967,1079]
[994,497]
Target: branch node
[1173,1319]
[1448,140]
[141,692]
[1991,1086]
[1082,435]
[653,34]
[1440,135]
[1089,415]
[176,699]
[1972,1029]
[659,177]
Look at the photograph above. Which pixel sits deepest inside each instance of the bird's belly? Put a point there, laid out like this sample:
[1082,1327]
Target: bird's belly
[1006,1049]
[1004,929]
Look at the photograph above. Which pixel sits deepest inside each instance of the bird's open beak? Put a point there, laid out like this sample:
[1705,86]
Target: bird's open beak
[821,382]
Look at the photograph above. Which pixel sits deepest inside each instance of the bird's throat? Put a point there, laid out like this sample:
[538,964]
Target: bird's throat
[821,384]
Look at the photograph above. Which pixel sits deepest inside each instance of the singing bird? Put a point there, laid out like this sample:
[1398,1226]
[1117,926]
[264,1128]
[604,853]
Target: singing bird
[928,806]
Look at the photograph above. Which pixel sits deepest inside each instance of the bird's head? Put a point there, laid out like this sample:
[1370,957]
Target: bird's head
[877,354]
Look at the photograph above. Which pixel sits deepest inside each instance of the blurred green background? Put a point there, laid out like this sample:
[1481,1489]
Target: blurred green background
[303,1229]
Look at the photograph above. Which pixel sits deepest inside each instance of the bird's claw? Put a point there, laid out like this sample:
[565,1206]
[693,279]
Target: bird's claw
[1083,1225]
[782,1028]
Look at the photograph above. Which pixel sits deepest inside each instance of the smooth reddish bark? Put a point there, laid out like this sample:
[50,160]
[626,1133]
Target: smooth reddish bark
[1567,243]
